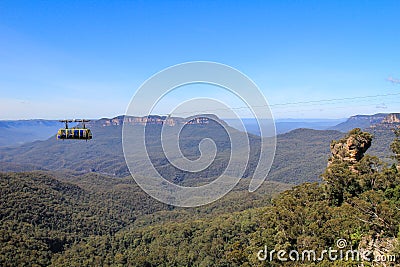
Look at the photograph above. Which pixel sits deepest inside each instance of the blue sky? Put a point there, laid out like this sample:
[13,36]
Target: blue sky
[74,59]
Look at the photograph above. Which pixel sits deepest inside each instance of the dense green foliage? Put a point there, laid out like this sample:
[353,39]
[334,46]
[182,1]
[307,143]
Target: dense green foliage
[43,214]
[299,219]
[94,220]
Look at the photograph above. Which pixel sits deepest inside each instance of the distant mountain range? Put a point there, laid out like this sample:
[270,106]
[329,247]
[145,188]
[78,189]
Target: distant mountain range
[19,132]
[16,132]
[362,121]
[286,125]
[300,156]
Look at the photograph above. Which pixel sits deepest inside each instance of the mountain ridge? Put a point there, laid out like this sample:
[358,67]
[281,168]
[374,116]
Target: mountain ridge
[300,154]
[17,132]
[359,121]
[104,154]
[154,120]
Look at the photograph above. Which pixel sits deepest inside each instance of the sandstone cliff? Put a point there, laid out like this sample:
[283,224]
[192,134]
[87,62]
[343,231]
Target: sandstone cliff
[351,148]
[153,119]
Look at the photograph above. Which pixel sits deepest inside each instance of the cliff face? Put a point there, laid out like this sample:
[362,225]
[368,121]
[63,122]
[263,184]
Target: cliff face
[372,119]
[351,148]
[392,118]
[359,121]
[120,120]
[388,124]
[152,120]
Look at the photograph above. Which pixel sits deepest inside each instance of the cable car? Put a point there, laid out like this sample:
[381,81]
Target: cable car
[74,133]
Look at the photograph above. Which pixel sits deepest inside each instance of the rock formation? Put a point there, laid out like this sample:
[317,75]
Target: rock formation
[392,118]
[351,148]
[380,249]
[390,122]
[153,119]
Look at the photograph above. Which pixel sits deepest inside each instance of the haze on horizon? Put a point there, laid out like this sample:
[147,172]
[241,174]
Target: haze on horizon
[86,59]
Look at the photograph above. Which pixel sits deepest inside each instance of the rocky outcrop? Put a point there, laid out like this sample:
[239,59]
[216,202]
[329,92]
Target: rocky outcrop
[351,148]
[378,249]
[392,118]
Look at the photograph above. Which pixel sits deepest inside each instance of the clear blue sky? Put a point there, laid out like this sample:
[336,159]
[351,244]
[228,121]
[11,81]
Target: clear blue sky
[76,59]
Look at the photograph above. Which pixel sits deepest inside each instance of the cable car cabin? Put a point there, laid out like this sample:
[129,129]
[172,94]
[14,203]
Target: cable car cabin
[74,133]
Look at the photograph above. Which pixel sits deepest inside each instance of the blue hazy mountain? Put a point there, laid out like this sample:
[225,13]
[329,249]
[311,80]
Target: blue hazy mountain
[359,121]
[286,125]
[17,132]
[301,154]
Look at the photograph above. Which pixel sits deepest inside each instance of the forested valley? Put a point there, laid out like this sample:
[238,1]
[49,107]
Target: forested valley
[62,219]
